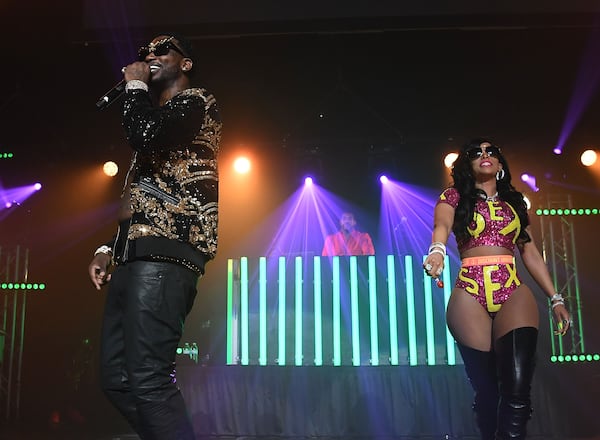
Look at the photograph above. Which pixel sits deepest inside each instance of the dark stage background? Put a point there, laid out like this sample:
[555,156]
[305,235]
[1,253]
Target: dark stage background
[345,81]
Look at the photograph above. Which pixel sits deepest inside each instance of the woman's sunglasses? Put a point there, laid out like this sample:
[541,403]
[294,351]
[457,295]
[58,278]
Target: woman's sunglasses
[476,153]
[159,48]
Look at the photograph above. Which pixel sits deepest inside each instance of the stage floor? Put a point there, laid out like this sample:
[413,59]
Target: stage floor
[336,403]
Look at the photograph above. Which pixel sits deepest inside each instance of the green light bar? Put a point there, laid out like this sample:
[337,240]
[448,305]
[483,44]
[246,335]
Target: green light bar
[337,345]
[244,310]
[262,311]
[391,282]
[373,311]
[6,155]
[410,311]
[298,312]
[354,311]
[450,346]
[230,311]
[318,313]
[589,357]
[247,313]
[281,321]
[567,211]
[22,286]
[430,343]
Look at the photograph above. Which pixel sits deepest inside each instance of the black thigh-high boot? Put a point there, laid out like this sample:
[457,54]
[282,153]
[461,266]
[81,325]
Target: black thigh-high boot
[481,371]
[515,358]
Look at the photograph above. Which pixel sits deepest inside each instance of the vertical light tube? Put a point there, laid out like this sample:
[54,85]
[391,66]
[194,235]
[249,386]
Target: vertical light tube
[318,314]
[410,311]
[429,334]
[337,343]
[373,311]
[281,317]
[21,337]
[450,346]
[298,312]
[391,285]
[230,333]
[262,311]
[354,311]
[244,309]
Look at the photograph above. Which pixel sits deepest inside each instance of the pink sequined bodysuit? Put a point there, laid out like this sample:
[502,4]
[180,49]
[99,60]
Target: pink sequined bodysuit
[492,279]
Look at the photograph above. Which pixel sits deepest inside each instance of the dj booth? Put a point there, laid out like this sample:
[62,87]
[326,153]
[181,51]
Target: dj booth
[367,310]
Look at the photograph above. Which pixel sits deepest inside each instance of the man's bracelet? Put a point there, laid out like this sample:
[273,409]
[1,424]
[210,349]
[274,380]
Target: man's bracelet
[104,250]
[136,84]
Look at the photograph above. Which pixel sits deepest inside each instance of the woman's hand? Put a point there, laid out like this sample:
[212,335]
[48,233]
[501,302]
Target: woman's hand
[563,319]
[434,265]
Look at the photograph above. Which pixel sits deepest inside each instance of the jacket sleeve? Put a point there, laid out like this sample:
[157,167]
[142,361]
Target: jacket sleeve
[149,128]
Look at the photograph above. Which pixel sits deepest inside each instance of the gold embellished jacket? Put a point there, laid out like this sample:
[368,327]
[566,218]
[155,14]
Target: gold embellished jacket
[174,177]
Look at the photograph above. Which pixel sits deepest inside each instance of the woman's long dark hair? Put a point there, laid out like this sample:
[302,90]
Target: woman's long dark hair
[464,182]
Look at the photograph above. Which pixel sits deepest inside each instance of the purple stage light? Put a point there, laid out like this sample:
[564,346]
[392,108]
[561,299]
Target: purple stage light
[384,179]
[11,197]
[300,225]
[530,181]
[405,218]
[308,181]
[585,86]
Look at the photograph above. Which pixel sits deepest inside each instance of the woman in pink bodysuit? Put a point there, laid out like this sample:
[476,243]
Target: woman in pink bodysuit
[492,315]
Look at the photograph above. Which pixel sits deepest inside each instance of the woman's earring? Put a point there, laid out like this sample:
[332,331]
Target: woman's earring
[500,174]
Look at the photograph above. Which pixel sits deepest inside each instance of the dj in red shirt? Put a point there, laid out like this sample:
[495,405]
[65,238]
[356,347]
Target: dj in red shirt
[348,241]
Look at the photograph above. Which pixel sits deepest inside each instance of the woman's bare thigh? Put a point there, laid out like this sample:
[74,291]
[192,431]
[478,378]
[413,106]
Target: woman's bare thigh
[468,321]
[520,310]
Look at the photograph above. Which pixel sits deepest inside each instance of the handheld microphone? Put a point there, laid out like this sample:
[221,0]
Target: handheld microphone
[438,281]
[113,94]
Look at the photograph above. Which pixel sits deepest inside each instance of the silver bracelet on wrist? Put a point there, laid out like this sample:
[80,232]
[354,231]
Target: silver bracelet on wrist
[557,303]
[437,251]
[136,84]
[437,244]
[104,249]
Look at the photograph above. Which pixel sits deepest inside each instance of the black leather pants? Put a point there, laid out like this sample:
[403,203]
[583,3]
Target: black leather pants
[515,359]
[481,371]
[146,306]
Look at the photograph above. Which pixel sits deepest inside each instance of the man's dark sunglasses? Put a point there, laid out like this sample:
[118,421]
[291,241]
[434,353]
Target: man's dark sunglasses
[475,153]
[159,49]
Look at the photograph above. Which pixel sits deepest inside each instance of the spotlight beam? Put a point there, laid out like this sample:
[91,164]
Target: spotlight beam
[586,84]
